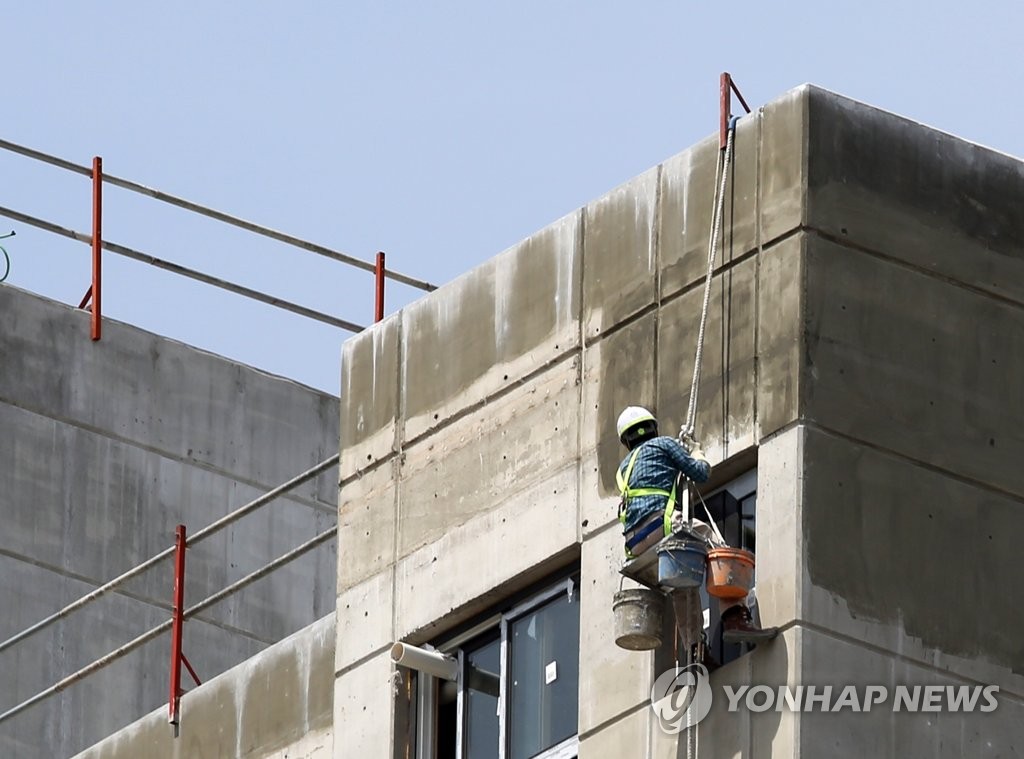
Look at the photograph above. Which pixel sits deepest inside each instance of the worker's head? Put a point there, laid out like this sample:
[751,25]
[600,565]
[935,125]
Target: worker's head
[636,424]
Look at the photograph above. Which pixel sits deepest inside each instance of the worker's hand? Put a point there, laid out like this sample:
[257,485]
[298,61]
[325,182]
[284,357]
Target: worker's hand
[686,440]
[697,454]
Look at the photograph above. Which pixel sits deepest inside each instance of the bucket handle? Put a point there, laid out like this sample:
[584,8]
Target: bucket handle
[711,519]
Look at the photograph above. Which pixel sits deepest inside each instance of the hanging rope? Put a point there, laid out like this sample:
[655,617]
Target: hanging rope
[722,176]
[7,259]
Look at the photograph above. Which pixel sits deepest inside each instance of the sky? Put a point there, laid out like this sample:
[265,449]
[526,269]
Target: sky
[439,132]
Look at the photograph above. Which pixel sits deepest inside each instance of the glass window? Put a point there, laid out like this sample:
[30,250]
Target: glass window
[483,687]
[517,688]
[544,687]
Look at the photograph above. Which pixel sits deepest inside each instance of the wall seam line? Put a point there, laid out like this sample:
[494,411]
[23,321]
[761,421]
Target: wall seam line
[874,648]
[934,468]
[169,456]
[849,244]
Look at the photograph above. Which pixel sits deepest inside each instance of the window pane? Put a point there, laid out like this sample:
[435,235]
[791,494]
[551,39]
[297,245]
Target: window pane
[483,666]
[544,687]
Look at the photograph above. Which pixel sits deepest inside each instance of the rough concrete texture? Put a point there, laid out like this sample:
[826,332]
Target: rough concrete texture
[276,705]
[107,446]
[881,732]
[912,560]
[944,355]
[489,461]
[925,198]
[490,328]
[861,338]
[861,343]
[615,681]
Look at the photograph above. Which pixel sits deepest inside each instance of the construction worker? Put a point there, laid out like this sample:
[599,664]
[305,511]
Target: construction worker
[647,480]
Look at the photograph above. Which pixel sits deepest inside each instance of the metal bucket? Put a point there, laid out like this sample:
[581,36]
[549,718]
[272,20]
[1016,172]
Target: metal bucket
[681,563]
[638,618]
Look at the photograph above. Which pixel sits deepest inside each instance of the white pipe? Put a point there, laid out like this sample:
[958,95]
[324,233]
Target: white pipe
[430,662]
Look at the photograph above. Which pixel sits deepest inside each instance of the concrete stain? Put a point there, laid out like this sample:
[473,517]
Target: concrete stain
[908,547]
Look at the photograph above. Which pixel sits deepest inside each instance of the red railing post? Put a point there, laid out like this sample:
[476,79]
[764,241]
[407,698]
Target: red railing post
[97,245]
[177,620]
[724,106]
[378,312]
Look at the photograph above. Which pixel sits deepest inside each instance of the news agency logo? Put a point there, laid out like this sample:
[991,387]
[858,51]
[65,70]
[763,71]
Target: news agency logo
[851,698]
[682,698]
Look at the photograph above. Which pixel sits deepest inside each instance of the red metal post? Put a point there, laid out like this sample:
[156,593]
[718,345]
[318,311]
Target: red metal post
[177,620]
[724,105]
[378,313]
[97,248]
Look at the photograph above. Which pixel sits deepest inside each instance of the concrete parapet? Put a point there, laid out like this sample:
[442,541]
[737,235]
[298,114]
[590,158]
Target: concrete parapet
[277,704]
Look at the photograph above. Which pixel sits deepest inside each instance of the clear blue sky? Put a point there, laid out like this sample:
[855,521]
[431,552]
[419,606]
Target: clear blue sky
[440,132]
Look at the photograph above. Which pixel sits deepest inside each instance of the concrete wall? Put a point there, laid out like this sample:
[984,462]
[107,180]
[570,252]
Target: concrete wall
[865,314]
[912,492]
[862,342]
[105,447]
[478,443]
[276,705]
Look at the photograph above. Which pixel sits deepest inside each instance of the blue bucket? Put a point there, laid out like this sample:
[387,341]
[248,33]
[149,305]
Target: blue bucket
[681,563]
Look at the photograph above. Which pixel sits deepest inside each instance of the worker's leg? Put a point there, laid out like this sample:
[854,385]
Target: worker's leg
[738,625]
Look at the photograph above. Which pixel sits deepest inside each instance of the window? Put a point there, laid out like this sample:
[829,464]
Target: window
[517,691]
[734,508]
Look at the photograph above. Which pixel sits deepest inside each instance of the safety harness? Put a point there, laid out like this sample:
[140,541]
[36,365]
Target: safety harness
[627,493]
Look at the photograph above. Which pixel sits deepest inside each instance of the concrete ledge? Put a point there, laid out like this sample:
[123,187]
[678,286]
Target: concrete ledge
[280,699]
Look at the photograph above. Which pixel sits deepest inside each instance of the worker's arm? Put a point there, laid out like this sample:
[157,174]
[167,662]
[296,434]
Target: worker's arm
[692,464]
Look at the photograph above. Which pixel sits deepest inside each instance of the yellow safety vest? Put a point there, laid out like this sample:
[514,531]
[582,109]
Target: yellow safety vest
[627,492]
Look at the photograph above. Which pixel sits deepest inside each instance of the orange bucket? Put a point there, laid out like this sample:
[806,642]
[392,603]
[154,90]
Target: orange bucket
[730,573]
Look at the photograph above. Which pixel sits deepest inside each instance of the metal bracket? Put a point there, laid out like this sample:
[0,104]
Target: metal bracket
[726,86]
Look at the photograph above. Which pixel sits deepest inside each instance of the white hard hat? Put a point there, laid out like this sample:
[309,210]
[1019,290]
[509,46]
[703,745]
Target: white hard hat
[632,416]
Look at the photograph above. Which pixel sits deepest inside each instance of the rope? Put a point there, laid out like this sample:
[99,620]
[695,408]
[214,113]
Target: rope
[138,569]
[163,627]
[188,205]
[716,230]
[7,259]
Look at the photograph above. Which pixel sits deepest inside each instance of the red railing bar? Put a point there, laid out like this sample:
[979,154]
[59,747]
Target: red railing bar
[726,86]
[724,89]
[378,312]
[211,213]
[177,620]
[198,276]
[97,246]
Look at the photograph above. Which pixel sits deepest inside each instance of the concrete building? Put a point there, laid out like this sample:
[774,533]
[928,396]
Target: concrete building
[861,373]
[105,447]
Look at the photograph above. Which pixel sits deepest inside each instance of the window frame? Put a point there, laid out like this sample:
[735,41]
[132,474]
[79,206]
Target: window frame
[426,696]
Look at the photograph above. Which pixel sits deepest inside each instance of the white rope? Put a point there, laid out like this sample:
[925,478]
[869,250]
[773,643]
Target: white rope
[716,229]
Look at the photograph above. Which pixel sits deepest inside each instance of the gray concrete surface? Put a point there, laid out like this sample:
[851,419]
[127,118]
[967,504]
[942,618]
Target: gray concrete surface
[861,347]
[862,351]
[105,447]
[276,705]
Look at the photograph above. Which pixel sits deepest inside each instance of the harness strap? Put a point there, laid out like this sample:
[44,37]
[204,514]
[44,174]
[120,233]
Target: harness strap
[627,493]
